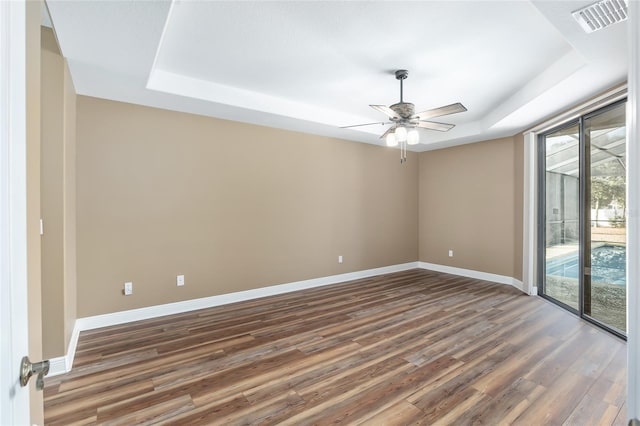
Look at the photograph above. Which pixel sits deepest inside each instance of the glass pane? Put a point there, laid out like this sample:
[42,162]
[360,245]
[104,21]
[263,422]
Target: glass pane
[605,288]
[562,216]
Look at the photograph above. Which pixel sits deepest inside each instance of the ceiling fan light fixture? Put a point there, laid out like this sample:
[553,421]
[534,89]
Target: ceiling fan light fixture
[391,140]
[413,137]
[401,133]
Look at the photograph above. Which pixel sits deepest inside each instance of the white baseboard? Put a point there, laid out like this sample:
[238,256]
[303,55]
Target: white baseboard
[58,366]
[486,276]
[98,321]
[63,364]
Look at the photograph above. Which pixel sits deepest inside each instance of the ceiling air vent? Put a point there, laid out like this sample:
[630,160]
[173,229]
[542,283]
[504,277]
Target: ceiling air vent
[601,14]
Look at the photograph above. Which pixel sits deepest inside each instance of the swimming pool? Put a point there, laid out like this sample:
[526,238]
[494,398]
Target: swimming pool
[608,265]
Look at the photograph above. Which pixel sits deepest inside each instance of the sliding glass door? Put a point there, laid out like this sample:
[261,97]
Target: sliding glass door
[583,217]
[562,215]
[605,289]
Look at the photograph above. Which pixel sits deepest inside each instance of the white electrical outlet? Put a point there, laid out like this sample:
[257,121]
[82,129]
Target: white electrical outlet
[128,289]
[450,253]
[180,280]
[339,259]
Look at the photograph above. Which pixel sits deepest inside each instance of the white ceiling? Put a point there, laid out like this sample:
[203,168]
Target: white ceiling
[315,66]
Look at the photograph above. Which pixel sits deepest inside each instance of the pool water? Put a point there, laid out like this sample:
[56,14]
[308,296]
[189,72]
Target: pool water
[608,265]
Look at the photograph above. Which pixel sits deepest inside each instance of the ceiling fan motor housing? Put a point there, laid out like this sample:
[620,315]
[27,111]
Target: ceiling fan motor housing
[405,110]
[402,74]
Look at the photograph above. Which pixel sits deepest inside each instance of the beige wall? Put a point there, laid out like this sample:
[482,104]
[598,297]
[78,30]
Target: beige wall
[231,206]
[471,202]
[51,158]
[69,205]
[518,200]
[57,198]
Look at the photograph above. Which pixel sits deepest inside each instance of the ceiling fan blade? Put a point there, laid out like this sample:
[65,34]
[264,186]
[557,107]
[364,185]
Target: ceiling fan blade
[386,110]
[437,112]
[432,125]
[389,130]
[366,124]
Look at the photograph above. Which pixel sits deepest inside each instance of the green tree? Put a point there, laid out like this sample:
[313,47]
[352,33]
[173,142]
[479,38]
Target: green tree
[600,194]
[605,190]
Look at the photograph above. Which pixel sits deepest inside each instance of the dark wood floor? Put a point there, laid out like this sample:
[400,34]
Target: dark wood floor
[414,347]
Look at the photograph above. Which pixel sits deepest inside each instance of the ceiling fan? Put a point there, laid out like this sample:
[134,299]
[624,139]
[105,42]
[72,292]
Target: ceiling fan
[405,122]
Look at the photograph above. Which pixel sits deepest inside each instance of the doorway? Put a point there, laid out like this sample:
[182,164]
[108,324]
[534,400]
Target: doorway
[582,216]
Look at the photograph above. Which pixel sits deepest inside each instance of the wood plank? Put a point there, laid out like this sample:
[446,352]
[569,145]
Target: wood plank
[155,413]
[593,412]
[400,413]
[559,401]
[506,406]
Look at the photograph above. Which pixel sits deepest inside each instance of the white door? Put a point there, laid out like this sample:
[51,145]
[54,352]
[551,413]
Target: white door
[14,401]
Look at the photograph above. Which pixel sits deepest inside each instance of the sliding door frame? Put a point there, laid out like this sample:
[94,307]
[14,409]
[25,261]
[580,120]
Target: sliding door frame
[584,279]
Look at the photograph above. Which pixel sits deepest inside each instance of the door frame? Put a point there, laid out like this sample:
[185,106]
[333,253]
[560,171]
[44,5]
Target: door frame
[15,401]
[633,211]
